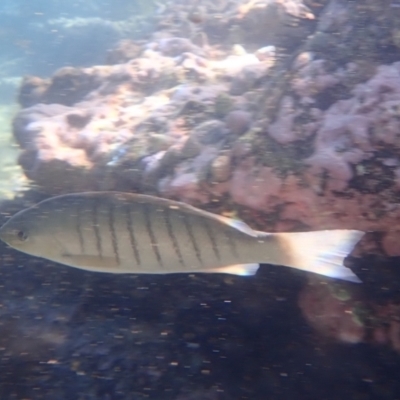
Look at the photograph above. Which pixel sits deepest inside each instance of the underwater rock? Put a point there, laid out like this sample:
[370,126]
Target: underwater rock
[124,51]
[351,129]
[210,132]
[247,78]
[238,122]
[331,309]
[175,46]
[282,129]
[261,23]
[185,186]
[385,327]
[68,86]
[32,90]
[255,186]
[221,168]
[314,141]
[344,313]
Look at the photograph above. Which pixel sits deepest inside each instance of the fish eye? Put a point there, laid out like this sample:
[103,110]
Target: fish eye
[22,236]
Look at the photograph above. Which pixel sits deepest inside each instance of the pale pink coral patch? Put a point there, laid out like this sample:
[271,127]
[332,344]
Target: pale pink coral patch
[254,186]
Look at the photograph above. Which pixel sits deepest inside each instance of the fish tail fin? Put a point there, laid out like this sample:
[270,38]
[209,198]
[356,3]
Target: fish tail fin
[322,252]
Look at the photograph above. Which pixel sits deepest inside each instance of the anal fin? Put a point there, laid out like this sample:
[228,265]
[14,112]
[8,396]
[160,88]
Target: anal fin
[238,269]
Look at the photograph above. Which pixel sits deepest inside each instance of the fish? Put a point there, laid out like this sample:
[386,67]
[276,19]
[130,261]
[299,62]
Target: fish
[118,232]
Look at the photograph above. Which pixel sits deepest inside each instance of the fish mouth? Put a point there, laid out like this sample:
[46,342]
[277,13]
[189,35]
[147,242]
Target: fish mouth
[5,236]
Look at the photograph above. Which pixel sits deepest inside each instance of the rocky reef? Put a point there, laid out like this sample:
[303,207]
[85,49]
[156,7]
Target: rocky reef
[308,139]
[283,113]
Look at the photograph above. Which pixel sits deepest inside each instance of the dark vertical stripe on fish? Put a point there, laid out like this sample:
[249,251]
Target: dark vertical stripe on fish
[111,225]
[79,229]
[129,226]
[232,243]
[211,236]
[150,232]
[172,236]
[191,237]
[96,229]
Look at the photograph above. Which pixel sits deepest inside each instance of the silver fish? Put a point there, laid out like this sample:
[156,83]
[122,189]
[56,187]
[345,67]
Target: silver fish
[133,233]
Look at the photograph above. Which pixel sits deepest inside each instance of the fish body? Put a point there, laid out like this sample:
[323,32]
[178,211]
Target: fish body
[133,233]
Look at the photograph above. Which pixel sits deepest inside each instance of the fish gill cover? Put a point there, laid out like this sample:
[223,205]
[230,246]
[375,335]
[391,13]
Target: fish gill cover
[284,113]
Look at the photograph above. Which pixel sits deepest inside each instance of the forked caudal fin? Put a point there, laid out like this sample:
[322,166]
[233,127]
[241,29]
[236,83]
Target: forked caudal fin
[322,252]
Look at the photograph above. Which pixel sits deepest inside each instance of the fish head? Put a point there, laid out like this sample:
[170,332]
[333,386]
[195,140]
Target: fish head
[27,231]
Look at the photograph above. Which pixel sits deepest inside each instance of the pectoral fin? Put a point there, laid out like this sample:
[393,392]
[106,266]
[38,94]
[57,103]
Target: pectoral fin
[239,269]
[91,262]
